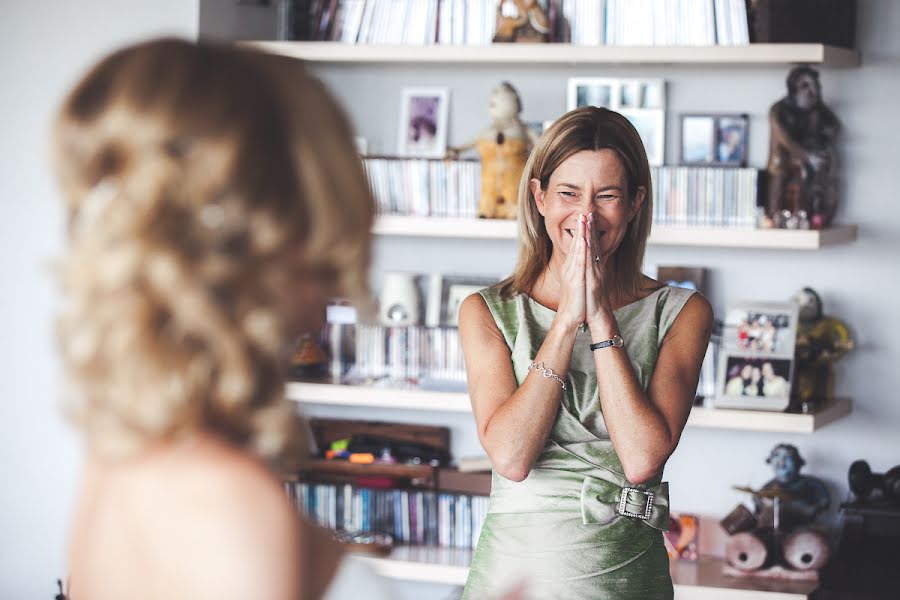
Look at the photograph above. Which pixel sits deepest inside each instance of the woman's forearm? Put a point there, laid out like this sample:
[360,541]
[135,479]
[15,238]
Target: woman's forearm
[639,433]
[516,433]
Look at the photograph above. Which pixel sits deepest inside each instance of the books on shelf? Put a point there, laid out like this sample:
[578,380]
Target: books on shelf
[473,22]
[410,516]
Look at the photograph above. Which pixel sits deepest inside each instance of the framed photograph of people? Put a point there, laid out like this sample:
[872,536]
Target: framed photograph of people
[423,122]
[446,293]
[714,140]
[756,356]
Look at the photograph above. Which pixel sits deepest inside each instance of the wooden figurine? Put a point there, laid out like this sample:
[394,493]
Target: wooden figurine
[521,21]
[503,148]
[802,163]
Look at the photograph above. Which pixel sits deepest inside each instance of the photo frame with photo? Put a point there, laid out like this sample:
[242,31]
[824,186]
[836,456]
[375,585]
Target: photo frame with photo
[423,122]
[714,139]
[446,293]
[756,361]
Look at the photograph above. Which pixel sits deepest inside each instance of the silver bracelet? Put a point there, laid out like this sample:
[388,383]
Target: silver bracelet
[546,372]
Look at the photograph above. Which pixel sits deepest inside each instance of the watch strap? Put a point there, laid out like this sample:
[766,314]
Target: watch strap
[616,341]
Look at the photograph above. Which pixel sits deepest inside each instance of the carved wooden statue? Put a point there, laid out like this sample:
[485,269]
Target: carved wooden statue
[521,21]
[802,155]
[503,148]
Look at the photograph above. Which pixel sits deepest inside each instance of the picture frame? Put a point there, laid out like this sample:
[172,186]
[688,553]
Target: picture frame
[641,101]
[756,362]
[692,278]
[446,293]
[714,140]
[651,126]
[423,122]
[616,94]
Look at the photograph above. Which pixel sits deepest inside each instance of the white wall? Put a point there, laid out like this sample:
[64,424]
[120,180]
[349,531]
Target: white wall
[44,47]
[859,282]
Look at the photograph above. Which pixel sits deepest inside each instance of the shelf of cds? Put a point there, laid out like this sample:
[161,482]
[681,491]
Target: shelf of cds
[528,54]
[693,206]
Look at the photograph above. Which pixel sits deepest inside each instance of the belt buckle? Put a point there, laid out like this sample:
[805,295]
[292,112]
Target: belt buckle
[623,501]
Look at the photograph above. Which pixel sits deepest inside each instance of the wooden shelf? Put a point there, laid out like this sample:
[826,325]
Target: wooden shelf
[702,580]
[346,468]
[499,229]
[759,420]
[530,54]
[411,399]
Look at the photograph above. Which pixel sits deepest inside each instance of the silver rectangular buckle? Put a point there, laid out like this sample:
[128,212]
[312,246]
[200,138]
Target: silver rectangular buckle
[623,501]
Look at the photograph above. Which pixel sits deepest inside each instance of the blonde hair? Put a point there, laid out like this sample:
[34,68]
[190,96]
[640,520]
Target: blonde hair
[199,180]
[585,128]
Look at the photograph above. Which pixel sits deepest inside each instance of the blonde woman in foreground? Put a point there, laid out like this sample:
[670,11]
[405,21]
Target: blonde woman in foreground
[582,373]
[214,202]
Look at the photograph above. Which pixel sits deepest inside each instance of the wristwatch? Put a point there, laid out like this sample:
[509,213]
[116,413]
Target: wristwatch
[616,342]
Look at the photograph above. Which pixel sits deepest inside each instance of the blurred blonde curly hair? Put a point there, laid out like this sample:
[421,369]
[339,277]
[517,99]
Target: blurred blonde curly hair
[200,181]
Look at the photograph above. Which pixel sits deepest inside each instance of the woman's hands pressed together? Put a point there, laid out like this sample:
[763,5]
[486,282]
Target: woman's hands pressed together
[584,297]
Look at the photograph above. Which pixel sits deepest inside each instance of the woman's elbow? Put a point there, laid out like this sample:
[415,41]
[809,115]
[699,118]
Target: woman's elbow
[644,469]
[639,474]
[513,472]
[509,467]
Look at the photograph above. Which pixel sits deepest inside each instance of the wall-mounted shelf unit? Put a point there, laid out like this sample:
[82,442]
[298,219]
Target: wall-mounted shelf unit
[499,229]
[412,399]
[701,580]
[531,54]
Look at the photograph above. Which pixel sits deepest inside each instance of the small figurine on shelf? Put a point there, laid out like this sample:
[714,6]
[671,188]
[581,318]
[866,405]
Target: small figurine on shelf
[820,342]
[521,21]
[503,148]
[310,360]
[779,540]
[802,163]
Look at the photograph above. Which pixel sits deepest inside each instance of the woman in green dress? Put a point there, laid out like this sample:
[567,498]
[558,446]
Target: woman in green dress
[582,373]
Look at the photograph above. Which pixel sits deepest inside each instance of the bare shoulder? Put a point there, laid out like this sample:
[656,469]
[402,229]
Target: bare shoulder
[695,318]
[229,508]
[476,321]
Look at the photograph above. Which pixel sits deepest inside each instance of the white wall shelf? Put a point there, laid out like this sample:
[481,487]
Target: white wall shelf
[701,580]
[530,54]
[377,397]
[500,229]
[412,399]
[760,420]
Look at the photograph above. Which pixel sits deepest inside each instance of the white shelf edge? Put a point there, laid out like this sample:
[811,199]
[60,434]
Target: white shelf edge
[775,239]
[714,418]
[378,397]
[751,54]
[757,420]
[692,581]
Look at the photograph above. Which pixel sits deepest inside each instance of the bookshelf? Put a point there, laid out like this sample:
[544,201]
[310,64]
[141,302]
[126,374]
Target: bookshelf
[531,54]
[498,229]
[701,580]
[412,399]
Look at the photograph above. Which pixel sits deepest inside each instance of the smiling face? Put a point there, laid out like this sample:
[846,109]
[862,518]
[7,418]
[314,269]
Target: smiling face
[588,182]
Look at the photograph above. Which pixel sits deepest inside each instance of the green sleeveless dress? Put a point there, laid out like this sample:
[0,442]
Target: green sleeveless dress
[575,527]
